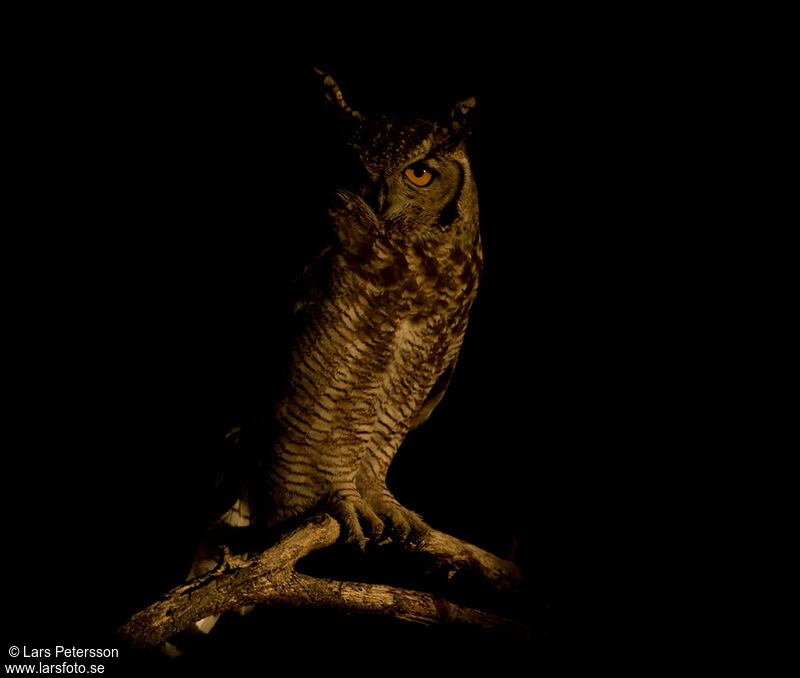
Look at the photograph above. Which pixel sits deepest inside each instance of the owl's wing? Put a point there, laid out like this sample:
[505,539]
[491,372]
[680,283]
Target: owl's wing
[435,395]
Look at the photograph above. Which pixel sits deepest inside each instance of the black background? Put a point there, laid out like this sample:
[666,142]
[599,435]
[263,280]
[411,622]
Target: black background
[166,188]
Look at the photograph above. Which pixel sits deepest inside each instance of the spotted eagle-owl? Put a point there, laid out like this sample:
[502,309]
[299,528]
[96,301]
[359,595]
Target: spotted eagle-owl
[380,321]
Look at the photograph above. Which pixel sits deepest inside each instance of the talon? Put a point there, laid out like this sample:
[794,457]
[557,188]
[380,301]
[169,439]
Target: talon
[356,536]
[401,525]
[419,532]
[375,525]
[351,513]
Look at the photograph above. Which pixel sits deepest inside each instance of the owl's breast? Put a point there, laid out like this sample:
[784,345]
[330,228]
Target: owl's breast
[372,349]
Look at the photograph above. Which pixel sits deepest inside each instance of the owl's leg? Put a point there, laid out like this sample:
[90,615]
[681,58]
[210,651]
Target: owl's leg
[402,524]
[346,504]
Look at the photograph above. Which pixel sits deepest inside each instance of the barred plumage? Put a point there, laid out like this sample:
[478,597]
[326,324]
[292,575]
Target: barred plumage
[380,324]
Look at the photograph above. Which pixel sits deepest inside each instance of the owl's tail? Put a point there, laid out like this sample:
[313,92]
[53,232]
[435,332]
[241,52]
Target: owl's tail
[209,553]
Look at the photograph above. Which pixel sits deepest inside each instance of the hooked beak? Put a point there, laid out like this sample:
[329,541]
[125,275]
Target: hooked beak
[377,197]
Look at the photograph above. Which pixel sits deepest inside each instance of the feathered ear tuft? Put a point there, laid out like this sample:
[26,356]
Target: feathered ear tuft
[462,123]
[334,99]
[462,118]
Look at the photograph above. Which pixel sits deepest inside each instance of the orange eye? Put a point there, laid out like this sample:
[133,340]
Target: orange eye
[419,176]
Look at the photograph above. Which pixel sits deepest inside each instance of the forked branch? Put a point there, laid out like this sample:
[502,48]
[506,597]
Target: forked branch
[270,578]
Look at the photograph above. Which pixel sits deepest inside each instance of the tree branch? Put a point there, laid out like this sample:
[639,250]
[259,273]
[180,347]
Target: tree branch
[379,599]
[270,578]
[456,555]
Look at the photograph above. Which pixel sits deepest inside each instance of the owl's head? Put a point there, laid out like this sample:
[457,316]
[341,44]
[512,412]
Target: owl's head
[414,176]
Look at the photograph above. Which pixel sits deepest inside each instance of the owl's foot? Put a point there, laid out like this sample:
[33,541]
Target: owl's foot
[352,512]
[402,525]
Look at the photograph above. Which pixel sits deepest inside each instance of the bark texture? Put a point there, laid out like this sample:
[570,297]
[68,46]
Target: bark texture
[270,578]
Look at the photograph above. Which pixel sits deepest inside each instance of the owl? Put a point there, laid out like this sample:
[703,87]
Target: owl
[379,319]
